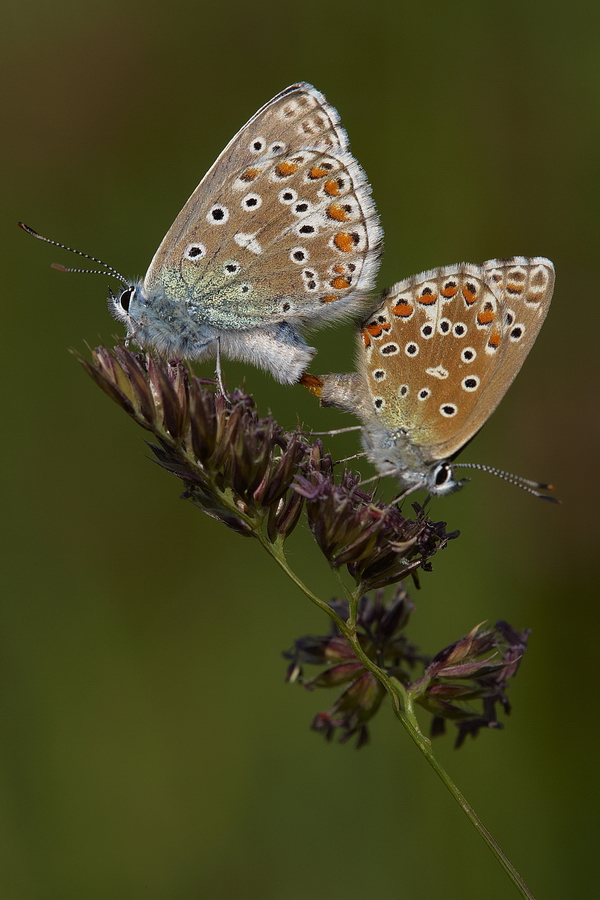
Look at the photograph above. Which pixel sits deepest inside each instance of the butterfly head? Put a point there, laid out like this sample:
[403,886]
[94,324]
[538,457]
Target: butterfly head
[126,307]
[441,480]
[437,479]
[393,453]
[155,319]
[118,304]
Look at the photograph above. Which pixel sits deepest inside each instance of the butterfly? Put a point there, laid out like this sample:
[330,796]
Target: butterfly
[280,235]
[435,360]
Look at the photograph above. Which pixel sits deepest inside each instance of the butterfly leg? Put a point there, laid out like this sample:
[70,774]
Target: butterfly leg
[219,372]
[404,494]
[349,458]
[369,481]
[335,431]
[132,330]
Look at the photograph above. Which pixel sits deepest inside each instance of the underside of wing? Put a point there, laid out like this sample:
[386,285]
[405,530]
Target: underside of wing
[283,225]
[445,345]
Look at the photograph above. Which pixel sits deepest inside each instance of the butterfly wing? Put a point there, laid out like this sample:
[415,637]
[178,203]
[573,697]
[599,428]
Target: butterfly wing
[281,227]
[445,345]
[525,287]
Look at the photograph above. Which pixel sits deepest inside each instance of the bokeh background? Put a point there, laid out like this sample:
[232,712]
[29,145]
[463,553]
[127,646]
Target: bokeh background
[149,746]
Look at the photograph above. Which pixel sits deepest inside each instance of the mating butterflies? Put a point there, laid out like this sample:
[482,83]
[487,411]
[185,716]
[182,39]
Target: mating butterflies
[280,235]
[435,360]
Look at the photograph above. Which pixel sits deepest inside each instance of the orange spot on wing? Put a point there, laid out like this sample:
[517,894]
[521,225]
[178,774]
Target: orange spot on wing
[469,295]
[286,168]
[249,174]
[317,172]
[427,299]
[339,269]
[514,288]
[335,211]
[449,291]
[332,187]
[344,241]
[533,297]
[485,317]
[403,309]
[374,330]
[328,298]
[340,283]
[366,338]
[494,340]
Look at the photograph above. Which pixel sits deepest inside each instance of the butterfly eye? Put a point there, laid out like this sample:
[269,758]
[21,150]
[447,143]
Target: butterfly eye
[443,474]
[125,299]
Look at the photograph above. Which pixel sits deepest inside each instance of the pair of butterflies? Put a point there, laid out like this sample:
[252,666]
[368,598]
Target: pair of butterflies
[281,235]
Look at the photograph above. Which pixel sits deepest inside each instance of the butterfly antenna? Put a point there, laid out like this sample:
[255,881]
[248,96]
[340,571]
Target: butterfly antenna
[532,487]
[61,268]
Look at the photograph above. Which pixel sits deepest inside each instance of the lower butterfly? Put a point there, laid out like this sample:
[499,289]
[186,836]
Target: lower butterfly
[435,360]
[281,235]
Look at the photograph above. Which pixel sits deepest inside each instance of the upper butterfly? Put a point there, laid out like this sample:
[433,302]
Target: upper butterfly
[435,360]
[281,234]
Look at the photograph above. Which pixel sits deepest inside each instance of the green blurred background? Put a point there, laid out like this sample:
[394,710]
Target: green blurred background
[149,746]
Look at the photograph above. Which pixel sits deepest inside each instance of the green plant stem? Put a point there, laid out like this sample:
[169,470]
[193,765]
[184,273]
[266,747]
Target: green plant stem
[409,722]
[277,553]
[402,706]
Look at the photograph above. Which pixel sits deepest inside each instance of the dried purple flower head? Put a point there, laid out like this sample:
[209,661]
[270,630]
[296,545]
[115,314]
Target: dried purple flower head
[475,668]
[379,627]
[237,467]
[376,542]
[254,477]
